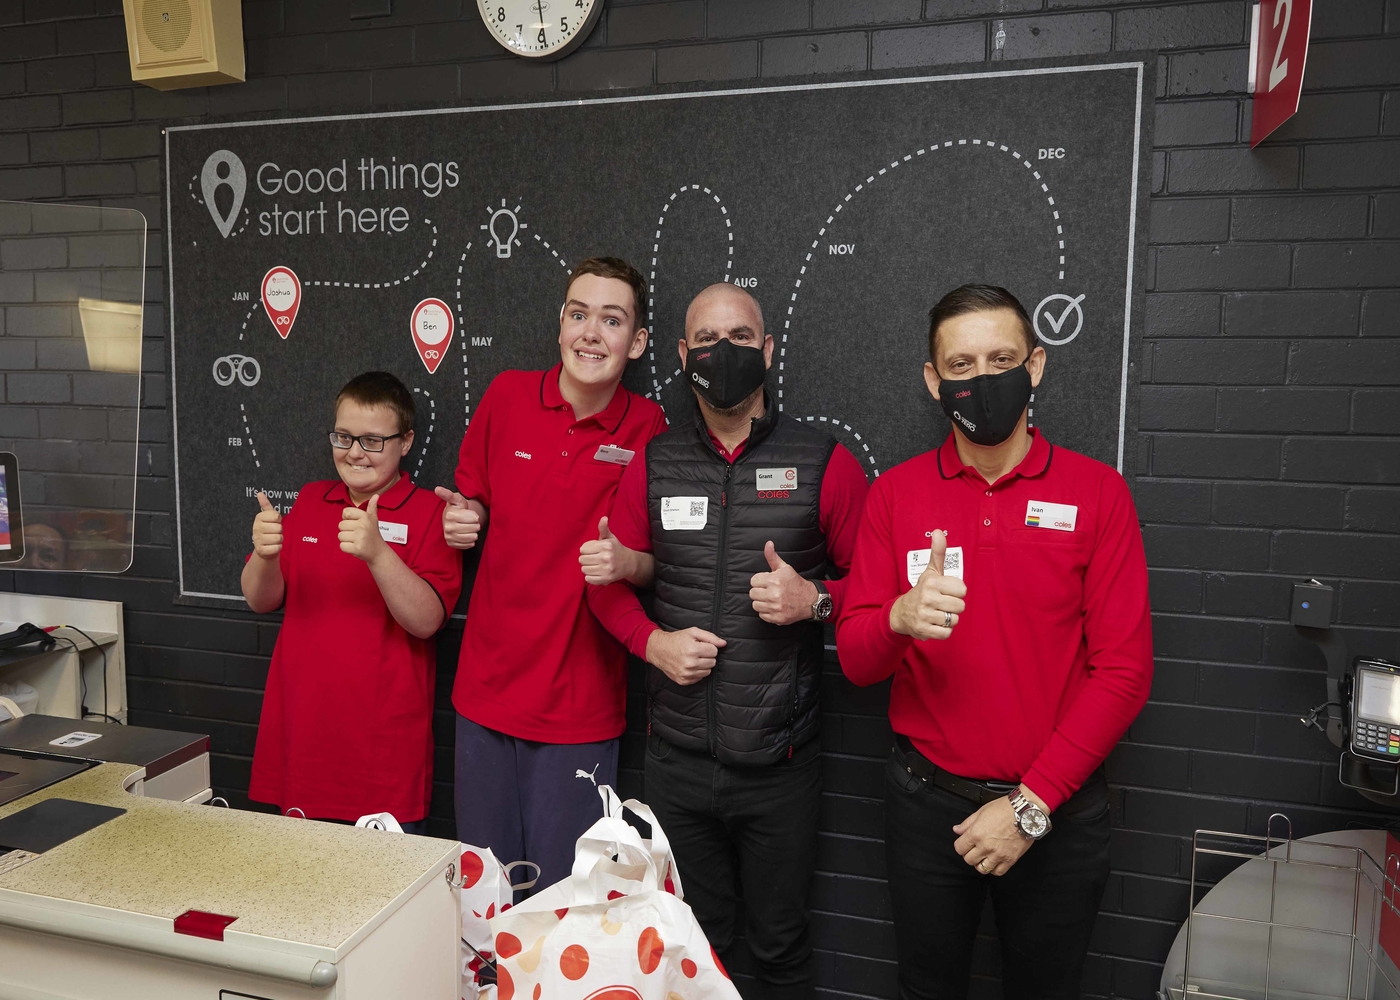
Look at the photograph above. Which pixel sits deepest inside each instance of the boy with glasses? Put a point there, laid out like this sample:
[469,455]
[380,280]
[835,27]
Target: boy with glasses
[365,578]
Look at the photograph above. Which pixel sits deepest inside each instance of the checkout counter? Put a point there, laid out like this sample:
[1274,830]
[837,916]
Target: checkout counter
[110,893]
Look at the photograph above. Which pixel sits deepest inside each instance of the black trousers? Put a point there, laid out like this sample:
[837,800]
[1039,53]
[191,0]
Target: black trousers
[1045,905]
[749,827]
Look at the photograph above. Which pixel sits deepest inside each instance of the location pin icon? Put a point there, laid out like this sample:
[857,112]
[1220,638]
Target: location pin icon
[432,331]
[281,297]
[223,168]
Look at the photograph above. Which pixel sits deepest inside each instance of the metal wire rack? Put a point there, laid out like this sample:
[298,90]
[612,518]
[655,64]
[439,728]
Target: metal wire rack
[1289,919]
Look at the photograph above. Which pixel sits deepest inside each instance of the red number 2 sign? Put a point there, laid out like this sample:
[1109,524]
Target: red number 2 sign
[1278,53]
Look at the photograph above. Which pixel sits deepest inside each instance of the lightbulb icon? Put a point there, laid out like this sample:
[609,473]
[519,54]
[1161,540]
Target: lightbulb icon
[503,226]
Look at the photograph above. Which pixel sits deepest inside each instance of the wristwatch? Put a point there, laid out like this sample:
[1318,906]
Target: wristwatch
[821,607]
[1030,818]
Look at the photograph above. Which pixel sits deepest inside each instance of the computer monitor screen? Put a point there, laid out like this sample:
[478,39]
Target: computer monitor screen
[11,510]
[1379,696]
[4,513]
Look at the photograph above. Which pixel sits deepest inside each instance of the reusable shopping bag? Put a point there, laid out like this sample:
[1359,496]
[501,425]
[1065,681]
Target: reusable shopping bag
[486,891]
[612,930]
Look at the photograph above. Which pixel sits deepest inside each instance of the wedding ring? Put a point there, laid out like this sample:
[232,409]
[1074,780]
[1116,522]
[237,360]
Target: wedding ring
[984,871]
[947,619]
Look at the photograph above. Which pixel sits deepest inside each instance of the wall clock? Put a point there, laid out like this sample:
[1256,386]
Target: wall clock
[540,29]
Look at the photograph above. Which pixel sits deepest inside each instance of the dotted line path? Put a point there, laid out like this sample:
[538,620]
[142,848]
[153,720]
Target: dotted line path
[657,385]
[461,327]
[248,433]
[422,265]
[462,341]
[837,422]
[200,201]
[987,144]
[243,328]
[428,437]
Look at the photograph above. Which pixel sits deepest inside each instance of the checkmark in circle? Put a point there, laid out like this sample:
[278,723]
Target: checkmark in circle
[1056,310]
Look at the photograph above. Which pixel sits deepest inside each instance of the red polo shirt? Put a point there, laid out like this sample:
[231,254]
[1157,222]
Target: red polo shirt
[347,714]
[1052,659]
[838,510]
[535,663]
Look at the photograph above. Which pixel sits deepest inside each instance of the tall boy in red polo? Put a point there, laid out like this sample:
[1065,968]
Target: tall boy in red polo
[541,686]
[366,579]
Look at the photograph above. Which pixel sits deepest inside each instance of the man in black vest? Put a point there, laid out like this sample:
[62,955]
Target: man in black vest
[736,518]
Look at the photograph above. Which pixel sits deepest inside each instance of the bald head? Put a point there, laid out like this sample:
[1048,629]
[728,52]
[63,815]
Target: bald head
[724,311]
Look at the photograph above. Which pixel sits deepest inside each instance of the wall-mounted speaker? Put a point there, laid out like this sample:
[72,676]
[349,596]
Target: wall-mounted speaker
[184,43]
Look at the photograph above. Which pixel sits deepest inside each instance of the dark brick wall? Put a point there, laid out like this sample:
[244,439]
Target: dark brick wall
[1270,414]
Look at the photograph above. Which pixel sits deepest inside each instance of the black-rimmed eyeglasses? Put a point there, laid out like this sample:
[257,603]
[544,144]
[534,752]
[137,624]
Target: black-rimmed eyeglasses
[368,442]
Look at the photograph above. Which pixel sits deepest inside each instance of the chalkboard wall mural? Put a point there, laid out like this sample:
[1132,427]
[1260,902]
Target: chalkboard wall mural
[436,244]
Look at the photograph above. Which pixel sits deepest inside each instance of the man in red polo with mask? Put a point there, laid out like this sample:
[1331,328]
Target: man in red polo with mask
[541,686]
[1000,579]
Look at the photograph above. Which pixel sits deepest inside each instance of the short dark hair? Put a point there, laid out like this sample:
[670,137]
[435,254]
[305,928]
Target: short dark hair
[380,389]
[614,267]
[975,298]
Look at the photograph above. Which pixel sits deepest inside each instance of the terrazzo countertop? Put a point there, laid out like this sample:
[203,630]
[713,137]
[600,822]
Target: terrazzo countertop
[292,879]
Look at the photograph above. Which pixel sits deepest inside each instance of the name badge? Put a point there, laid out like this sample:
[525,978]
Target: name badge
[612,453]
[1057,516]
[684,513]
[75,739]
[392,532]
[917,560]
[777,479]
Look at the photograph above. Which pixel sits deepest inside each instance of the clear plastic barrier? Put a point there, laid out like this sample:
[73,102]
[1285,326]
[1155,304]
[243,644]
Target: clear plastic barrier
[72,281]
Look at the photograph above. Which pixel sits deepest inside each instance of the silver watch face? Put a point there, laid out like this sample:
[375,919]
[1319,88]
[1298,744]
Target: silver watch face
[822,609]
[1033,823]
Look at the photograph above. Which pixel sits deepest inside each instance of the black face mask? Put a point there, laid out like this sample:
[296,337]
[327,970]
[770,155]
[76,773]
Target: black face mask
[987,408]
[724,374]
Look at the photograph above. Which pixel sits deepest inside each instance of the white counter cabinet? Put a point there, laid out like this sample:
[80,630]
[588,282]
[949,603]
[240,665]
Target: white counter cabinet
[322,911]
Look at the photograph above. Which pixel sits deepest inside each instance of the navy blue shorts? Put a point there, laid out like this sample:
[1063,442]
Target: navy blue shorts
[529,801]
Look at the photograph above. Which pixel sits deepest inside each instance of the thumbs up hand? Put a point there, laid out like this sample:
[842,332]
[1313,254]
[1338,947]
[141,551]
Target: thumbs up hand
[461,526]
[606,560]
[781,595]
[359,531]
[267,529]
[931,608]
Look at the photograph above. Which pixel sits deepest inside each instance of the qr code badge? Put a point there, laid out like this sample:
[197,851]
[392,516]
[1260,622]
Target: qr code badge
[953,562]
[684,513]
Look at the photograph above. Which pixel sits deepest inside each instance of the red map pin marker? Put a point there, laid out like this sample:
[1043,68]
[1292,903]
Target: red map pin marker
[281,297]
[432,331]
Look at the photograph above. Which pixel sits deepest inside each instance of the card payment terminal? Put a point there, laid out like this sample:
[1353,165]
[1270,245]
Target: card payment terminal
[1375,728]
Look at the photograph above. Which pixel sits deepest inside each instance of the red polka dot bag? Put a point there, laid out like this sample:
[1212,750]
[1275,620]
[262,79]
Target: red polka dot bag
[486,891]
[616,929]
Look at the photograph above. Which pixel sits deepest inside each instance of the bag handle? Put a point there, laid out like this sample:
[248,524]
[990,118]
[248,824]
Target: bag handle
[661,855]
[595,874]
[507,869]
[612,803]
[660,846]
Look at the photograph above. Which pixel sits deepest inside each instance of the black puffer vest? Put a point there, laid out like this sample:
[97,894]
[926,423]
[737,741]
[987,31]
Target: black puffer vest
[760,702]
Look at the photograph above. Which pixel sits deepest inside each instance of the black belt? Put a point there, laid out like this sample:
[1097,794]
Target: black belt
[980,792]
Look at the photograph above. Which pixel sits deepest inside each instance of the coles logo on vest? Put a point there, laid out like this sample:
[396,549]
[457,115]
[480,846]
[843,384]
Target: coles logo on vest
[776,484]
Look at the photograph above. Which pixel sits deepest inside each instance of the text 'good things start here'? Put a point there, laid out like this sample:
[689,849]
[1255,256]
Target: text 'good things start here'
[430,179]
